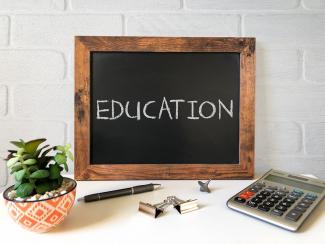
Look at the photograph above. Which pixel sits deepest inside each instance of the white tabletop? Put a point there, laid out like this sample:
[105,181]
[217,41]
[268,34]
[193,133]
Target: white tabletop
[118,220]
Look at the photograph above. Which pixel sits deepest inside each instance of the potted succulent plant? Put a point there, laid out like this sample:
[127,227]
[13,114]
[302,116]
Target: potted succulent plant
[41,197]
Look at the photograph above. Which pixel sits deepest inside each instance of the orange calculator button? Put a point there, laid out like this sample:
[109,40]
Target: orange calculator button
[245,196]
[249,193]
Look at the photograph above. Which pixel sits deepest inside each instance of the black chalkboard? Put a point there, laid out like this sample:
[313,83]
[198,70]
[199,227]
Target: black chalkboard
[209,135]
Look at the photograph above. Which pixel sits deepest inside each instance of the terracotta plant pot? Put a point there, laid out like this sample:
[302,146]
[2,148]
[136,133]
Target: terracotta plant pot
[41,215]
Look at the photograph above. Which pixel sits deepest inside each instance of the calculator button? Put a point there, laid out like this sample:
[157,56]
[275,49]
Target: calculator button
[293,197]
[273,200]
[259,196]
[307,201]
[311,195]
[268,204]
[280,193]
[300,209]
[294,215]
[271,189]
[253,189]
[257,200]
[250,193]
[310,198]
[239,199]
[263,208]
[268,190]
[303,205]
[298,191]
[265,193]
[252,204]
[289,200]
[244,196]
[277,197]
[277,212]
[281,208]
[258,186]
[286,204]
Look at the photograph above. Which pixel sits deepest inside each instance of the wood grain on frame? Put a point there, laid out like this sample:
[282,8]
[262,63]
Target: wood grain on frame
[84,45]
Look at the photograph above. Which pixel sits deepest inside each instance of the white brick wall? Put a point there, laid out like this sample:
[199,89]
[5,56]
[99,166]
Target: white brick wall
[183,25]
[36,65]
[315,65]
[296,101]
[4,30]
[278,66]
[32,101]
[32,5]
[31,66]
[314,4]
[3,100]
[286,140]
[315,138]
[54,131]
[294,30]
[124,5]
[58,31]
[242,4]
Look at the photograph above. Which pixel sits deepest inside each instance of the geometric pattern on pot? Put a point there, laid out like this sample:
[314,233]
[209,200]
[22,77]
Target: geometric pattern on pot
[41,216]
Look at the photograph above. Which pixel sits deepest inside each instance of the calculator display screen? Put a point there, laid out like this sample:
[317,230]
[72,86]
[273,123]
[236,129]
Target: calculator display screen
[294,183]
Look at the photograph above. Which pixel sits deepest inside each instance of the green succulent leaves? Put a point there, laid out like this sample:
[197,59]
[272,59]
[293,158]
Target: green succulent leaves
[30,161]
[35,169]
[60,158]
[55,171]
[25,190]
[43,187]
[40,174]
[19,144]
[19,175]
[11,162]
[29,147]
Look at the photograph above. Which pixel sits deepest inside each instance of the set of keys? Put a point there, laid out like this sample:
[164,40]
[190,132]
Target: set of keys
[182,206]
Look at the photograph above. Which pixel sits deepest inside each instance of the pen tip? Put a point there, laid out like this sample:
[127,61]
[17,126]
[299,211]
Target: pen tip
[80,199]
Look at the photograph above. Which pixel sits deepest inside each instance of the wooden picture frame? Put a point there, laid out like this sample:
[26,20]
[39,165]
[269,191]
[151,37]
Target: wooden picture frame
[84,170]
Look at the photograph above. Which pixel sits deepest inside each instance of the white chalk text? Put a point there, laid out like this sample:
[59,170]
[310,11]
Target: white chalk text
[170,109]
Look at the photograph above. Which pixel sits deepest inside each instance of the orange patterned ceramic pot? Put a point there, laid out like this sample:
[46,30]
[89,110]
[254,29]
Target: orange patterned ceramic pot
[41,215]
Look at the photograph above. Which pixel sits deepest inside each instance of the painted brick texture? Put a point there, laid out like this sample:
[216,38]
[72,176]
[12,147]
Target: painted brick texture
[4,30]
[183,25]
[32,5]
[31,66]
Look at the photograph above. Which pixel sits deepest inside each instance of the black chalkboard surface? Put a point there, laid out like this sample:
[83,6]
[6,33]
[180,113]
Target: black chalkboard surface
[157,107]
[164,107]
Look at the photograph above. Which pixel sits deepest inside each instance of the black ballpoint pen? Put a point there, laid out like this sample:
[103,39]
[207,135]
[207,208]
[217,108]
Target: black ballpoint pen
[120,192]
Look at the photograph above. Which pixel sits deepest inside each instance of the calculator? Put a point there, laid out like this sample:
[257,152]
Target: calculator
[280,198]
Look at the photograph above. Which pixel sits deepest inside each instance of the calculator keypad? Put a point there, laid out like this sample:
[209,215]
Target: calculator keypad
[294,215]
[276,200]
